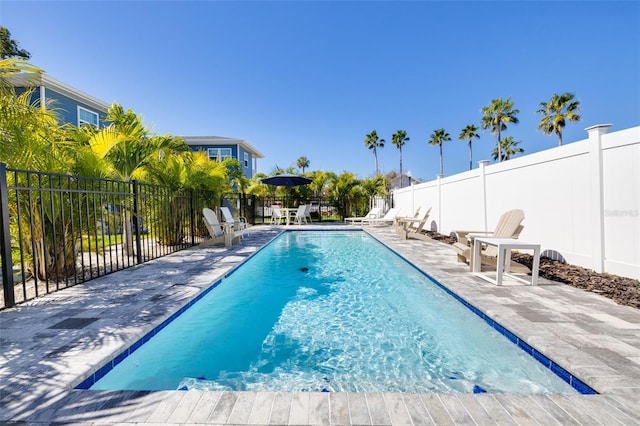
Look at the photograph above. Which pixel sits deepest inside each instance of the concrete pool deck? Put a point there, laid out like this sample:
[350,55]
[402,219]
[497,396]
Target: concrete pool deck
[50,345]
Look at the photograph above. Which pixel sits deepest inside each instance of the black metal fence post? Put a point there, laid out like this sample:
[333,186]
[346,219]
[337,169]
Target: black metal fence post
[5,243]
[192,217]
[136,217]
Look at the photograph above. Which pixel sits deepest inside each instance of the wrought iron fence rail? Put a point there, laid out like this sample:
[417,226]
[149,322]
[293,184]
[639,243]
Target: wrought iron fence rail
[61,230]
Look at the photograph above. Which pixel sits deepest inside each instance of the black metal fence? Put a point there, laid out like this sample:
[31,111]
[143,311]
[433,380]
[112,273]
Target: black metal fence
[60,230]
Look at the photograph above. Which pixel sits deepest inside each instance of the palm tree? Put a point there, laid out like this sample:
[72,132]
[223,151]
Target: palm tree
[372,142]
[469,132]
[497,115]
[509,147]
[437,138]
[303,163]
[126,148]
[399,138]
[342,192]
[556,112]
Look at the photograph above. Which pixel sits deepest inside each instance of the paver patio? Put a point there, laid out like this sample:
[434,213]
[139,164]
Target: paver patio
[50,345]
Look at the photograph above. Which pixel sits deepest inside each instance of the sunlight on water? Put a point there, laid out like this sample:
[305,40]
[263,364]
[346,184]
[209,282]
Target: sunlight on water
[330,311]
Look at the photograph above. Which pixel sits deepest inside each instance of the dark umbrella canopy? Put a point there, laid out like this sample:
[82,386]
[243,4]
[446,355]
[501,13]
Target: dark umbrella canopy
[287,180]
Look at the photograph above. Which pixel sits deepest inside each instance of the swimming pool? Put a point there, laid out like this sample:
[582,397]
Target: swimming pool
[330,311]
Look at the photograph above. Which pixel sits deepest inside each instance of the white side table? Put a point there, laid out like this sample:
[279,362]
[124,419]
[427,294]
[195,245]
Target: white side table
[504,246]
[228,234]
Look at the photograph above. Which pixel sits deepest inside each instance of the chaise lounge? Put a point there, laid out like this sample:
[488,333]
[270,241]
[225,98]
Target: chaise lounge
[373,213]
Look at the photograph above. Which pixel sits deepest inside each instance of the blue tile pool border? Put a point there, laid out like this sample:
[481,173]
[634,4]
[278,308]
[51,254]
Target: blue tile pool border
[565,375]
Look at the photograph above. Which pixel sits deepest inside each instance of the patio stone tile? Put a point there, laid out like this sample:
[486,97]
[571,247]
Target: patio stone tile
[166,407]
[377,409]
[397,409]
[477,412]
[518,412]
[261,410]
[358,409]
[339,407]
[496,411]
[242,408]
[555,411]
[299,414]
[223,408]
[204,407]
[416,409]
[187,404]
[456,409]
[281,409]
[319,413]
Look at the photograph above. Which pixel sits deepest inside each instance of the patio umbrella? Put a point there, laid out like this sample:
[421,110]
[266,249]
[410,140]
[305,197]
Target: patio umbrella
[287,180]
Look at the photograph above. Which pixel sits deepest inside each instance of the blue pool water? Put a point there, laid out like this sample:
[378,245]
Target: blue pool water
[330,311]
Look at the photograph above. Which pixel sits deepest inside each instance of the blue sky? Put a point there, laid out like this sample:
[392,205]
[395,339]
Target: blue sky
[304,78]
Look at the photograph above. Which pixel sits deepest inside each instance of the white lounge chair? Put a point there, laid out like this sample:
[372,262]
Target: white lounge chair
[388,219]
[238,225]
[373,213]
[411,227]
[216,231]
[509,226]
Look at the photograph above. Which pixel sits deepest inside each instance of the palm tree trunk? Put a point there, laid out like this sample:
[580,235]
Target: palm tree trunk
[499,145]
[401,181]
[470,155]
[375,156]
[441,168]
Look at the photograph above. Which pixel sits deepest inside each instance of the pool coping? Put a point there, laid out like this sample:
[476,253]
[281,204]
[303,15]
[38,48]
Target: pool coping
[53,357]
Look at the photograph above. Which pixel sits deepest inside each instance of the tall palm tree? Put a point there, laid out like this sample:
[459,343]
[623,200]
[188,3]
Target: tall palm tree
[509,147]
[469,132]
[372,142]
[556,112]
[437,138]
[497,115]
[399,138]
[303,163]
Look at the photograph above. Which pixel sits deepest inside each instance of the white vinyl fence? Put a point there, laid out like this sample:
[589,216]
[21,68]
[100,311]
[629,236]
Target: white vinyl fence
[581,200]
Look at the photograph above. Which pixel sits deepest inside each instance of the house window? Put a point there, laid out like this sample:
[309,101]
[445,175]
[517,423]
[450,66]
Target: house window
[219,154]
[246,159]
[87,117]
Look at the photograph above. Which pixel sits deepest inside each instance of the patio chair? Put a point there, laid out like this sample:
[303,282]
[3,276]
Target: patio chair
[276,215]
[216,231]
[373,213]
[388,219]
[238,225]
[411,227]
[300,215]
[509,226]
[307,212]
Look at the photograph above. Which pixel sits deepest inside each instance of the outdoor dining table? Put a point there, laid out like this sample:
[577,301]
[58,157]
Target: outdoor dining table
[288,212]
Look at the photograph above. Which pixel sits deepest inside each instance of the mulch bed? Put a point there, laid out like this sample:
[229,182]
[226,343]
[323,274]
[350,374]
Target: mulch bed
[622,290]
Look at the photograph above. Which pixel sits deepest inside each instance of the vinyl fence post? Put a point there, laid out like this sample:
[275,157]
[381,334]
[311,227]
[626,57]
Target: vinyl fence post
[597,193]
[483,177]
[5,243]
